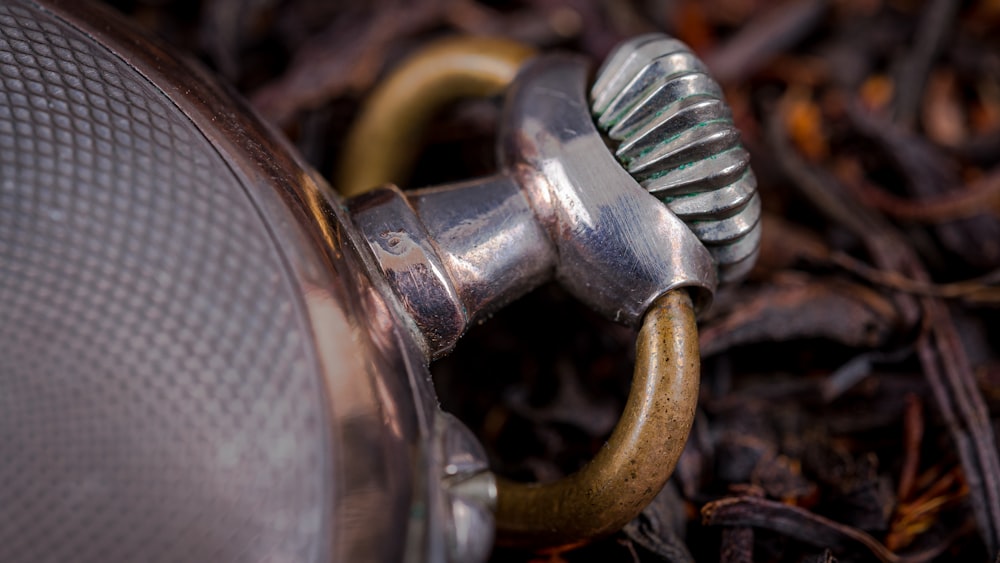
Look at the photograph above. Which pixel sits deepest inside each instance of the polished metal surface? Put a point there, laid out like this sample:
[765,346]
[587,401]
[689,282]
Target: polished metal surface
[561,207]
[489,240]
[618,247]
[195,362]
[454,254]
[403,248]
[674,133]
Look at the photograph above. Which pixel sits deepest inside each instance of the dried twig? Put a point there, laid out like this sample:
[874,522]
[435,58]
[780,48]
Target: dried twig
[982,196]
[935,25]
[764,37]
[800,524]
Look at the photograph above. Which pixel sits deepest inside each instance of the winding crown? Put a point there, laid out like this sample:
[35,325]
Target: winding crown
[672,131]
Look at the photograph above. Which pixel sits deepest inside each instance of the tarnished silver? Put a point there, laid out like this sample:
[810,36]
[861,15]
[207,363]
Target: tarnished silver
[454,254]
[562,206]
[472,226]
[407,258]
[618,247]
[675,134]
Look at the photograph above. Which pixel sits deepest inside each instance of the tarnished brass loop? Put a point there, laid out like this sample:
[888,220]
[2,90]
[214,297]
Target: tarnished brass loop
[381,145]
[641,454]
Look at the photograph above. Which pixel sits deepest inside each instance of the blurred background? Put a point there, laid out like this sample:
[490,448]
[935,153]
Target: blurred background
[851,387]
